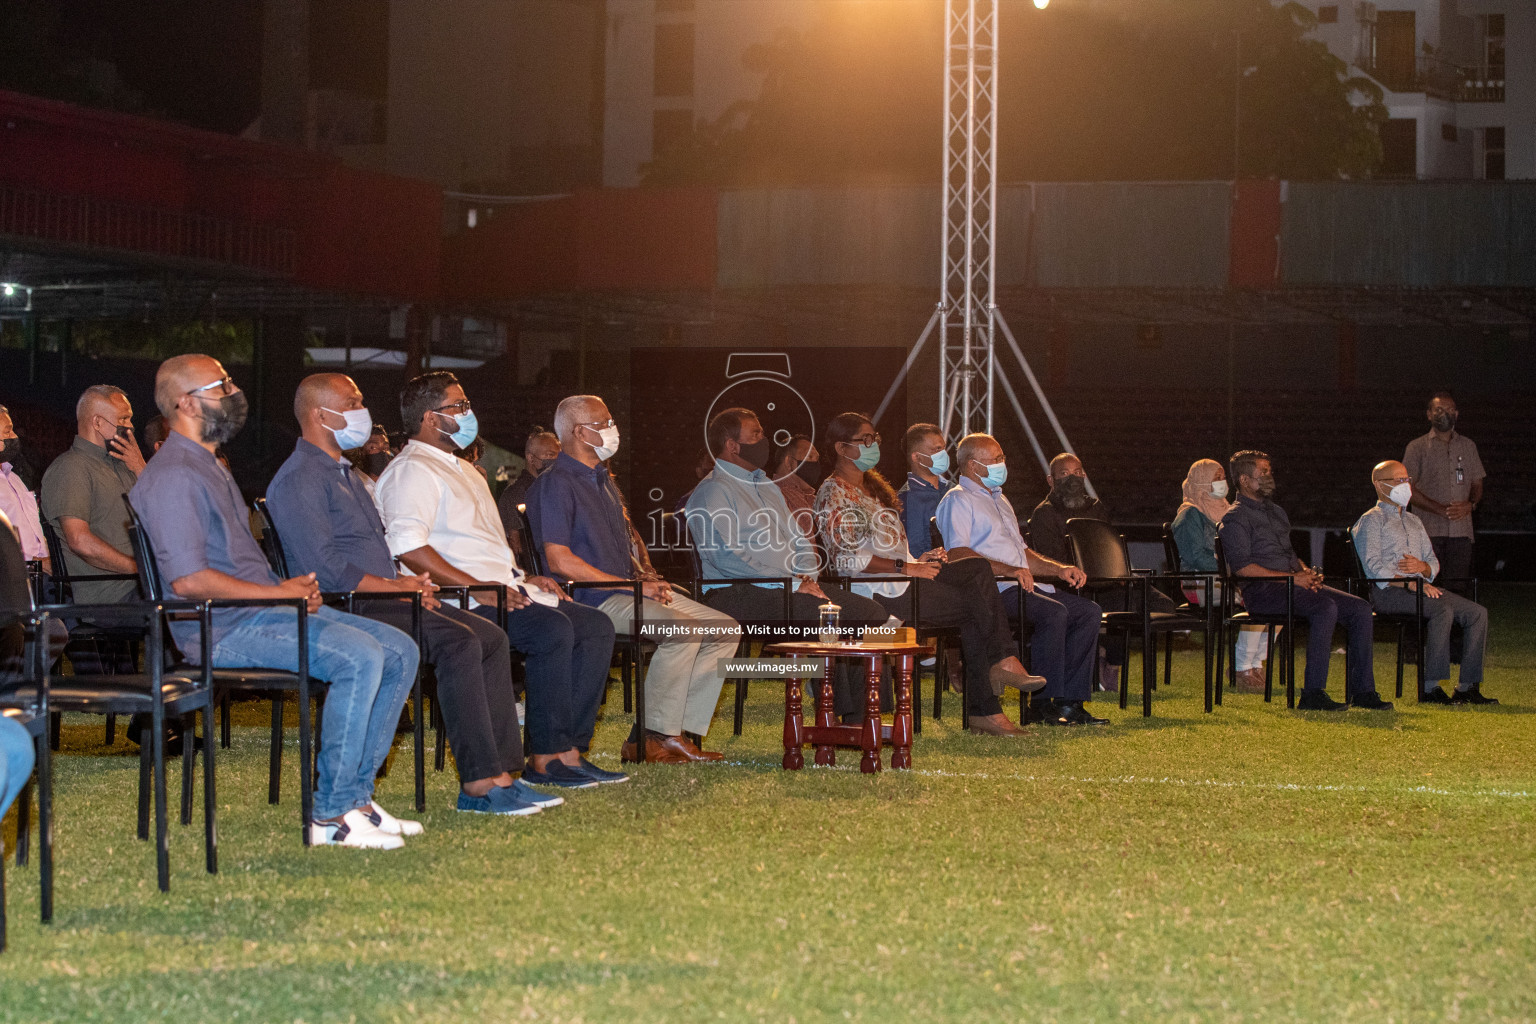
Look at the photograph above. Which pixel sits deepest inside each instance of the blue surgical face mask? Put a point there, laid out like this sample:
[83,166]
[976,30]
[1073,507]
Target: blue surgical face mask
[869,456]
[354,433]
[940,463]
[996,475]
[469,429]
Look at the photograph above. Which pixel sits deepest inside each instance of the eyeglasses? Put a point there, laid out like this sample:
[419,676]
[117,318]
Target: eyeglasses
[224,385]
[865,439]
[599,424]
[458,407]
[1396,480]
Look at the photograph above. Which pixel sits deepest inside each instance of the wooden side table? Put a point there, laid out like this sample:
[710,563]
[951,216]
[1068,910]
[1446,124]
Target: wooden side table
[827,734]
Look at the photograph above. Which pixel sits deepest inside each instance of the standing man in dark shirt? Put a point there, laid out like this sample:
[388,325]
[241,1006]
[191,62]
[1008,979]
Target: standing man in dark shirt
[927,480]
[1069,499]
[197,525]
[1447,486]
[330,526]
[1256,540]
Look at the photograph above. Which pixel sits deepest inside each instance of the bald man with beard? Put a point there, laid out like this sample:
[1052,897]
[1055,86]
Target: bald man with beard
[330,526]
[197,525]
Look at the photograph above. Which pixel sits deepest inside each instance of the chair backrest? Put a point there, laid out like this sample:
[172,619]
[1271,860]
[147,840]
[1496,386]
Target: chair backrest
[1171,549]
[63,592]
[530,544]
[935,538]
[1221,560]
[150,581]
[686,536]
[1099,548]
[271,543]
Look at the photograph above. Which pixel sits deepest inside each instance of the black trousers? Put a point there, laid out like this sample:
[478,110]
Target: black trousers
[568,651]
[964,595]
[1455,556]
[473,665]
[1065,641]
[746,602]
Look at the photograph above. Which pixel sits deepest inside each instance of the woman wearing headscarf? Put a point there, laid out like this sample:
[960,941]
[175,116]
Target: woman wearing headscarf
[1194,533]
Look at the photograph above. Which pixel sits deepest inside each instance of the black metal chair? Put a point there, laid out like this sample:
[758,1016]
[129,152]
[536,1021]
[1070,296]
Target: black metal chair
[1101,553]
[1402,621]
[31,711]
[111,647]
[1232,620]
[248,679]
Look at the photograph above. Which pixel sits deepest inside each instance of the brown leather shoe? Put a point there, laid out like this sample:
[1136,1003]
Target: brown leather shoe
[1022,681]
[655,752]
[694,752]
[995,725]
[1251,680]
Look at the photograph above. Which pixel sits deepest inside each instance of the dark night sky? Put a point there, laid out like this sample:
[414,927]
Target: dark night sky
[194,61]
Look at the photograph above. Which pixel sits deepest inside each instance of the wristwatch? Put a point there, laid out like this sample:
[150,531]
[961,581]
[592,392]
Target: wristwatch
[901,565]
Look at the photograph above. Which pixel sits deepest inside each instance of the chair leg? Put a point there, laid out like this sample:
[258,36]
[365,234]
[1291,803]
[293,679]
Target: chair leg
[146,768]
[419,739]
[210,798]
[741,705]
[627,674]
[188,766]
[940,679]
[1274,658]
[162,825]
[917,699]
[1168,659]
[111,730]
[1125,672]
[23,825]
[55,726]
[306,780]
[965,705]
[44,773]
[1402,634]
[439,745]
[224,721]
[275,756]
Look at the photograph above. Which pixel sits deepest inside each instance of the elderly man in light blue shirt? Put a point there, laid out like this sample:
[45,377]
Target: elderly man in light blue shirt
[742,528]
[1393,545]
[976,520]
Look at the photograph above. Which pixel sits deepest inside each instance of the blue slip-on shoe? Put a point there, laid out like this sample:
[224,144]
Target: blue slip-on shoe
[602,775]
[560,774]
[500,800]
[528,795]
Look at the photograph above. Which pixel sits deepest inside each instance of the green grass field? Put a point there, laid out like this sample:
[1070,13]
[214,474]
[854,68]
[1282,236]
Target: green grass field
[1254,864]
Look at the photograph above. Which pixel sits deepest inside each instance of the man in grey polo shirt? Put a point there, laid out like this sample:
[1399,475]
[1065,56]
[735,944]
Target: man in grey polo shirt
[198,529]
[82,495]
[1447,486]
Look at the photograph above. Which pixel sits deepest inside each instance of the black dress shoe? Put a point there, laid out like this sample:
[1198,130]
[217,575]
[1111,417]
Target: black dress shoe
[1472,696]
[1076,714]
[1435,696]
[1317,700]
[1370,702]
[1040,709]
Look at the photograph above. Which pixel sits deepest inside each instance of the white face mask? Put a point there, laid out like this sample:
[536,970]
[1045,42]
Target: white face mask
[610,446]
[1401,494]
[1219,488]
[356,431]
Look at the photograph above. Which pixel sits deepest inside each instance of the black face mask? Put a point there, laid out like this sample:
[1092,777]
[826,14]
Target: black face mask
[374,463]
[1266,487]
[756,454]
[10,451]
[1444,422]
[221,424]
[810,472]
[1072,491]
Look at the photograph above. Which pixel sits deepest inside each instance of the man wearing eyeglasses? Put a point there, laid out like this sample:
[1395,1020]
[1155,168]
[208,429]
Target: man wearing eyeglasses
[200,534]
[579,519]
[440,518]
[1393,545]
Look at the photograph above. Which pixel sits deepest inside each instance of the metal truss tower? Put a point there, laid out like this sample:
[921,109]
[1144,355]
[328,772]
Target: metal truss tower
[967,313]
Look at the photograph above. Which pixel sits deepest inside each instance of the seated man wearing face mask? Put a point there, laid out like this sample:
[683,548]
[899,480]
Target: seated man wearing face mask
[927,480]
[578,518]
[1393,544]
[977,521]
[743,528]
[330,526]
[197,525]
[1069,499]
[1256,540]
[440,518]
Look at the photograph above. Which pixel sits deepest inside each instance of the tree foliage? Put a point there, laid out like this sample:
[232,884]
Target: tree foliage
[1148,91]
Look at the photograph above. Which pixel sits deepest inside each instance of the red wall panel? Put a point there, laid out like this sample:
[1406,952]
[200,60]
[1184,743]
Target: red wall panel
[1256,234]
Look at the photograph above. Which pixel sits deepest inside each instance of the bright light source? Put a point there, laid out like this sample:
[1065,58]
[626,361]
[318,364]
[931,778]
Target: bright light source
[1041,4]
[9,289]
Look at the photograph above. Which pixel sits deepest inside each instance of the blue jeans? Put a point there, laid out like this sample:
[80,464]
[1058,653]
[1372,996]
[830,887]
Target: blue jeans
[370,668]
[16,754]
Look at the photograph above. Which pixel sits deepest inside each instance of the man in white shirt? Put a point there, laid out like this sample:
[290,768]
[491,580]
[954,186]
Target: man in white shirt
[975,519]
[439,517]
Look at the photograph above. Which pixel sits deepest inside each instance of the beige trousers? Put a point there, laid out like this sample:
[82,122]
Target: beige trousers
[682,685]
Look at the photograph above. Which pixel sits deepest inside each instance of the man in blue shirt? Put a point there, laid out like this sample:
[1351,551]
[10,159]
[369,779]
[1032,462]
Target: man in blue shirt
[977,520]
[578,518]
[1393,545]
[197,525]
[1256,542]
[927,480]
[329,526]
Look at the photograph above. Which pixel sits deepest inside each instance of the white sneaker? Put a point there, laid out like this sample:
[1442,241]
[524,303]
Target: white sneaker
[389,823]
[355,830]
